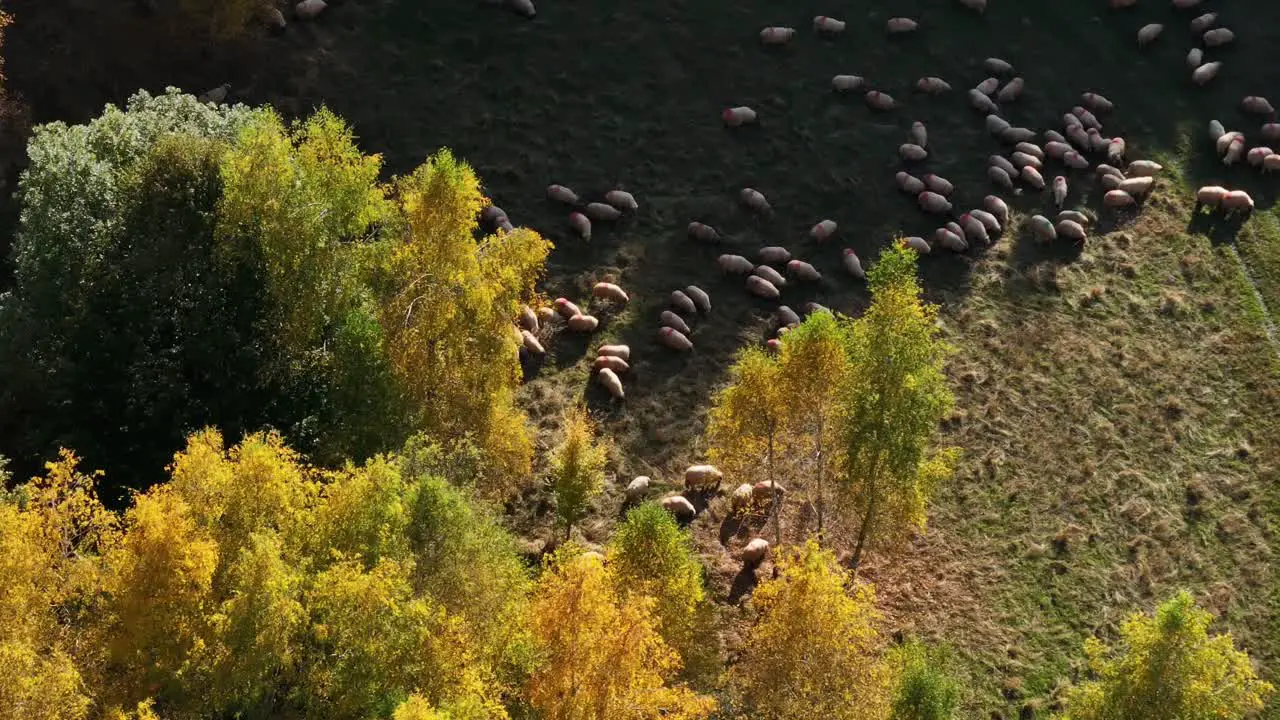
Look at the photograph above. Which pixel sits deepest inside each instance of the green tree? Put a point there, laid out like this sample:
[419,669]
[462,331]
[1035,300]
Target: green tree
[812,652]
[1168,667]
[922,689]
[894,398]
[747,423]
[577,467]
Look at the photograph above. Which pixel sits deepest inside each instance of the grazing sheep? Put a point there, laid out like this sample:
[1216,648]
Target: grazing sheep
[1032,177]
[1117,199]
[583,323]
[911,152]
[755,200]
[763,491]
[909,183]
[988,87]
[974,228]
[611,382]
[996,66]
[566,308]
[1000,177]
[699,297]
[1056,150]
[738,116]
[877,100]
[996,125]
[683,302]
[530,343]
[990,222]
[1271,163]
[1071,230]
[932,202]
[773,276]
[1195,58]
[1271,132]
[823,230]
[1210,195]
[638,488]
[1203,74]
[786,316]
[939,184]
[672,320]
[824,24]
[1075,217]
[919,134]
[1096,102]
[1110,182]
[1257,155]
[1087,118]
[496,218]
[1148,33]
[622,200]
[1115,150]
[679,506]
[804,271]
[618,351]
[528,318]
[900,25]
[1104,169]
[1030,149]
[1011,91]
[616,364]
[546,315]
[311,9]
[560,193]
[734,264]
[932,85]
[1015,135]
[1043,228]
[950,240]
[702,232]
[1204,22]
[1224,139]
[852,264]
[1143,168]
[755,552]
[610,292]
[580,225]
[1021,160]
[777,35]
[601,212]
[1140,185]
[740,500]
[524,8]
[1237,201]
[918,244]
[1097,142]
[1257,105]
[1080,138]
[1075,160]
[997,207]
[674,339]
[848,83]
[702,477]
[1054,136]
[774,254]
[762,288]
[1217,37]
[981,102]
[1059,190]
[1234,150]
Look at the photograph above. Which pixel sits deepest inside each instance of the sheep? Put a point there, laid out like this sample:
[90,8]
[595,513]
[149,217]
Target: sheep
[524,8]
[988,87]
[1234,150]
[954,228]
[610,292]
[1257,155]
[1097,142]
[679,506]
[913,153]
[1210,195]
[602,212]
[622,200]
[703,232]
[699,298]
[528,318]
[939,184]
[763,491]
[777,35]
[683,302]
[1203,22]
[609,379]
[309,9]
[1257,105]
[674,339]
[1059,191]
[562,194]
[672,320]
[1021,160]
[1080,138]
[1030,149]
[774,254]
[786,316]
[496,218]
[740,500]
[1043,228]
[1011,91]
[1015,135]
[996,207]
[1115,150]
[583,323]
[618,351]
[950,240]
[1000,177]
[1237,201]
[989,221]
[1148,33]
[996,66]
[580,225]
[760,287]
[566,308]
[1117,199]
[1004,164]
[1195,58]
[1032,177]
[1071,230]
[1088,119]
[804,271]
[848,83]
[754,200]
[1271,132]
[981,102]
[734,264]
[1074,216]
[932,85]
[638,488]
[1110,182]
[919,134]
[1218,36]
[702,477]
[899,25]
[1203,74]
[1271,163]
[738,116]
[609,362]
[1054,136]
[1056,150]
[1143,168]
[823,230]
[546,314]
[755,552]
[1069,120]
[974,228]
[979,5]
[274,19]
[932,202]
[530,342]
[918,244]
[828,25]
[996,125]
[909,183]
[1224,140]
[1140,185]
[1075,160]
[1104,169]
[852,264]
[1096,102]
[217,95]
[877,100]
[773,276]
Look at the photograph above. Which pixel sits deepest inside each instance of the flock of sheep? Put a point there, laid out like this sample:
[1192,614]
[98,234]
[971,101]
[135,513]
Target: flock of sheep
[1074,149]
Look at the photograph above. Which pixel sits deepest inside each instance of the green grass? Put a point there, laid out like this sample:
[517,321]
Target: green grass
[1099,392]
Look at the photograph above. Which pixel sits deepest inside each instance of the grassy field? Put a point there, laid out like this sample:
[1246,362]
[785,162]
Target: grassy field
[1118,406]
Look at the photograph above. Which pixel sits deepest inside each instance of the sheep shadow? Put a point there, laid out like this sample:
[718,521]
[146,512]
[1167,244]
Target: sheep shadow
[743,583]
[1221,229]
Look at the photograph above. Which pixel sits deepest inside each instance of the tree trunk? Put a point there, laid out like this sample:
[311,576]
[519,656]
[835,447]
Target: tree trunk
[821,468]
[777,506]
[864,532]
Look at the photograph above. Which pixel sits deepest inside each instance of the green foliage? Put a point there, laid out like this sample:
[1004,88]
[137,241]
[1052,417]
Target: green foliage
[1168,667]
[577,467]
[811,653]
[922,688]
[650,555]
[895,395]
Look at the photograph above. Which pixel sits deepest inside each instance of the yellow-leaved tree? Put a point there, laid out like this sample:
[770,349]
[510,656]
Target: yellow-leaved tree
[812,652]
[1168,667]
[895,396]
[448,301]
[601,655]
[577,467]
